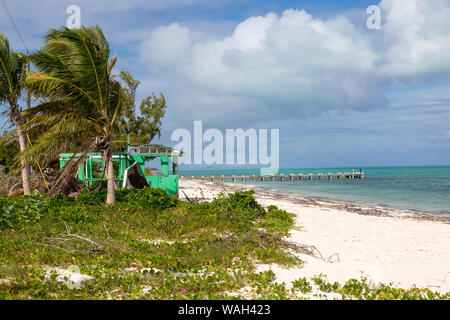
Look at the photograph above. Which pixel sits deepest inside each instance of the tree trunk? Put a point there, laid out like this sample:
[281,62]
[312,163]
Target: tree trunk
[111,194]
[16,120]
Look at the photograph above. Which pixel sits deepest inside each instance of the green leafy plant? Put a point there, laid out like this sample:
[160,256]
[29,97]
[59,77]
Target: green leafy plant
[61,200]
[156,199]
[22,210]
[92,198]
[302,285]
[149,246]
[75,214]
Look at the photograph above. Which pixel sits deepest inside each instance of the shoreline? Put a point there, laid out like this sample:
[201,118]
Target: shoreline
[350,202]
[355,207]
[386,245]
[421,189]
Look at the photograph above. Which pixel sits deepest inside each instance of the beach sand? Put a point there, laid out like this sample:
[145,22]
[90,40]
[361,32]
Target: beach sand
[385,245]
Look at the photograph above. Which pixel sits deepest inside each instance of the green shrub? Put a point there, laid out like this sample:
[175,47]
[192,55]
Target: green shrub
[88,196]
[156,199]
[97,185]
[278,221]
[22,210]
[276,213]
[4,200]
[245,200]
[7,216]
[302,284]
[60,200]
[75,214]
[123,194]
[238,210]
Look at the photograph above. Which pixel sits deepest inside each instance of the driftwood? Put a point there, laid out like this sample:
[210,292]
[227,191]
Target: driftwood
[9,184]
[65,175]
[69,236]
[189,199]
[12,186]
[311,251]
[33,186]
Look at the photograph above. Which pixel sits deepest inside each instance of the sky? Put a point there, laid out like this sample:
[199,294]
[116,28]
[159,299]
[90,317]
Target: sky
[340,94]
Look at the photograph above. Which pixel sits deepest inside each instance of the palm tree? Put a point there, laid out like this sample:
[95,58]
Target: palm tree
[80,98]
[12,75]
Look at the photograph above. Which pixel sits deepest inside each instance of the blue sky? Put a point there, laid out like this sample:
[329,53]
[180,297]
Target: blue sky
[341,95]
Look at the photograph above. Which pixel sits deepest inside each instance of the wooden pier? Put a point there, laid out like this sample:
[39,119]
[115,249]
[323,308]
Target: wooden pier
[281,177]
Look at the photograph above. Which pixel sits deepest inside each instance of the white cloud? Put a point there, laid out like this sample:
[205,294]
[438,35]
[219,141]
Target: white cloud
[418,34]
[168,46]
[294,63]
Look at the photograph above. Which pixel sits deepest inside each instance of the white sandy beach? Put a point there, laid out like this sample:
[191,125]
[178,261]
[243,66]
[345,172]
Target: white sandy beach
[386,245]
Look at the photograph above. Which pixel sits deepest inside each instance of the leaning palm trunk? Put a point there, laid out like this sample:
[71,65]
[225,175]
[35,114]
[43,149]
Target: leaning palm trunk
[17,121]
[24,171]
[109,167]
[69,169]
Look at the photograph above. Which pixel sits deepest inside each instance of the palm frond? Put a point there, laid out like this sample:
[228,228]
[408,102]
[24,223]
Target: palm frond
[81,99]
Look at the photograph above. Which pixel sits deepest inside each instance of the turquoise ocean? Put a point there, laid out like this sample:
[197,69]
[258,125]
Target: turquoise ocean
[424,189]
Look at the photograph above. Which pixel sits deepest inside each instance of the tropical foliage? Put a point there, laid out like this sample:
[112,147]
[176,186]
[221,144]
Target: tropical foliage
[146,126]
[152,246]
[82,106]
[12,81]
[80,98]
[8,154]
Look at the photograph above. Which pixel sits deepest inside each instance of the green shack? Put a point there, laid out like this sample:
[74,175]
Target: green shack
[91,169]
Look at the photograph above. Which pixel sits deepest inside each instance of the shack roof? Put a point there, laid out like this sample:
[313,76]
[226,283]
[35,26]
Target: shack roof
[153,149]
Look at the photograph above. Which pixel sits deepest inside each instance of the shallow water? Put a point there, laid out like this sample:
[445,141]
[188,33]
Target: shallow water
[425,189]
